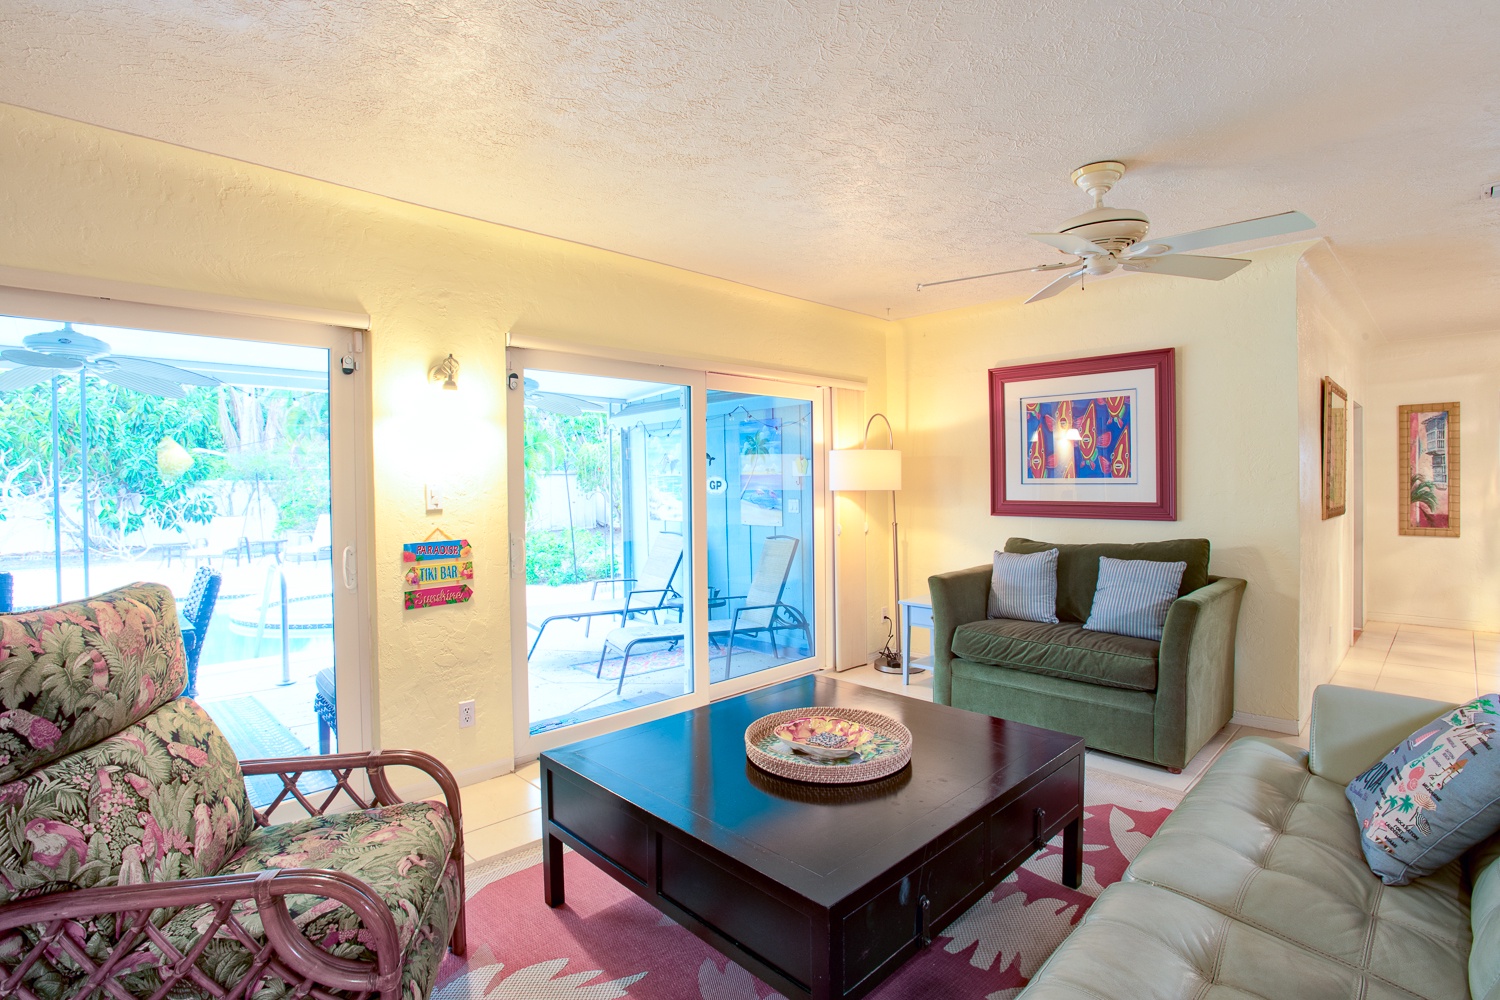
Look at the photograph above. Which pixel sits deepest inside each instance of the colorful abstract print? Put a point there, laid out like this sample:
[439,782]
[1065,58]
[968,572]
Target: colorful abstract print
[1080,439]
[1432,796]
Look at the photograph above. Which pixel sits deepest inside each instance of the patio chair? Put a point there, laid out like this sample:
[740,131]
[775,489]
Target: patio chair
[137,866]
[315,545]
[763,612]
[196,612]
[325,707]
[225,538]
[656,577]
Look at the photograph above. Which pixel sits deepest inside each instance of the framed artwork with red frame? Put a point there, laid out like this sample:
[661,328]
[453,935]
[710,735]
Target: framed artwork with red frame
[1086,437]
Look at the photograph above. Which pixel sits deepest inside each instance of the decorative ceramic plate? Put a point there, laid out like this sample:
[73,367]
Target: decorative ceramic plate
[828,745]
[826,737]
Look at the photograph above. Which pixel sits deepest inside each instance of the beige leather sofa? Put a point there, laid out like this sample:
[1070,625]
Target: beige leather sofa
[1255,887]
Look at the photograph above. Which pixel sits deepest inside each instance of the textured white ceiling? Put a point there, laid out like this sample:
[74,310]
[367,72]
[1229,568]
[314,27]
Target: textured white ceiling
[840,152]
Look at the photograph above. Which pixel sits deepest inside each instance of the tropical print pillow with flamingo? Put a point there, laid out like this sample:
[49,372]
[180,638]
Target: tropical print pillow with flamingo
[1432,797]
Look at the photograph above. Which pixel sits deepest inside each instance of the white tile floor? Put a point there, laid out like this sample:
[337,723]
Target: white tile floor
[503,814]
[1448,664]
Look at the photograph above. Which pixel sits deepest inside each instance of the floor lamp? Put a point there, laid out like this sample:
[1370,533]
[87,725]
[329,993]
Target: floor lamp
[866,469]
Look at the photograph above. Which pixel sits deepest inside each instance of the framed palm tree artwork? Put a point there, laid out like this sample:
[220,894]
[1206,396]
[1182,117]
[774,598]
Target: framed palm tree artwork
[1427,480]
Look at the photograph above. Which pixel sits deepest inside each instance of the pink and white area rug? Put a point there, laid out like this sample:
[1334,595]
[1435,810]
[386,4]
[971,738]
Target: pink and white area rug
[606,943]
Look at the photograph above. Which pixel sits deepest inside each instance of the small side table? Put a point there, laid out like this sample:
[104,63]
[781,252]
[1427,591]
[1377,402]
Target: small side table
[916,612]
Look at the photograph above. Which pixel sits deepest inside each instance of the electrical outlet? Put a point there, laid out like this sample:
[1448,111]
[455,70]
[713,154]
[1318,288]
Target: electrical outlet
[885,613]
[466,714]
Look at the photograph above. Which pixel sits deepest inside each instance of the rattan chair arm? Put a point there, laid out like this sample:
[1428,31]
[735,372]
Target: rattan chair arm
[374,764]
[267,890]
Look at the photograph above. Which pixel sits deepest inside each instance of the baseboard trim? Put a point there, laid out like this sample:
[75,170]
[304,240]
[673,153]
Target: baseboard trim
[1288,727]
[1468,624]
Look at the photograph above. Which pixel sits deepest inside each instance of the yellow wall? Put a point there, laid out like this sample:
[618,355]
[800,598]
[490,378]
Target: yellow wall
[87,201]
[1450,582]
[1237,429]
[1330,342]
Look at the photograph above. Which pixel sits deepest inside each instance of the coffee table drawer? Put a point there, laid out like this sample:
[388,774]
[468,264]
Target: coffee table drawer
[602,826]
[767,927]
[1023,826]
[892,920]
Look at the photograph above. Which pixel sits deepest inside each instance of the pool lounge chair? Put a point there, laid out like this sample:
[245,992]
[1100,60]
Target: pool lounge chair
[763,612]
[656,579]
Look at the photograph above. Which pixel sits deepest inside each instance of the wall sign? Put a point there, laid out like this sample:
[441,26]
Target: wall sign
[437,571]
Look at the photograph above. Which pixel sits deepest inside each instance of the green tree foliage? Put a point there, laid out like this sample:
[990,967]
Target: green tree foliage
[575,446]
[126,489]
[277,439]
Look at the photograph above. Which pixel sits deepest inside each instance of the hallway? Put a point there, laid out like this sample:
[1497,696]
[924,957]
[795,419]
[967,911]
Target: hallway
[1423,660]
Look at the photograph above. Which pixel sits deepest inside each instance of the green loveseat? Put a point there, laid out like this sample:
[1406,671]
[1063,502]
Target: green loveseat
[1154,701]
[1255,887]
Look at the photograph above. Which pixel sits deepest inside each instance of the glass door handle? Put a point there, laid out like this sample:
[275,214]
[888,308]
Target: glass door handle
[350,582]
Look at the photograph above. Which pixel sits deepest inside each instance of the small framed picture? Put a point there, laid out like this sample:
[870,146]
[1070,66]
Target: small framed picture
[1086,437]
[1428,470]
[1335,447]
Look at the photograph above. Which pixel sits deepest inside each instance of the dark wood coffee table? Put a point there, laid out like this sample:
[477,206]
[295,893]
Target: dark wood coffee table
[821,891]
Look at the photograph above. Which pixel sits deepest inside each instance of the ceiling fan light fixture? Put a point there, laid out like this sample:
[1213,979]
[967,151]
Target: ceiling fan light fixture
[1095,179]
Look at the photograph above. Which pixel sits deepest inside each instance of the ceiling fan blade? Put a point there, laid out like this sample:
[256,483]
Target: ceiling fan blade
[1061,284]
[20,378]
[155,369]
[1234,232]
[142,383]
[1071,243]
[36,359]
[996,274]
[1188,265]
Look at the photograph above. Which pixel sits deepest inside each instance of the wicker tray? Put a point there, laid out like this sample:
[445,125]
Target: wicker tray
[769,754]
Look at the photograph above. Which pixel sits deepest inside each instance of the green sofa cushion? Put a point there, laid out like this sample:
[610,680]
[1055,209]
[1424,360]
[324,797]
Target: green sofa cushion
[1484,918]
[1078,567]
[1066,650]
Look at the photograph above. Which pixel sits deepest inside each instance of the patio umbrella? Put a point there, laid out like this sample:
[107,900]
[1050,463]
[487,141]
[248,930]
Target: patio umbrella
[47,355]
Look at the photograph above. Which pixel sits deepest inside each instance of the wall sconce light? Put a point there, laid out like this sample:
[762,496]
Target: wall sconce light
[446,372]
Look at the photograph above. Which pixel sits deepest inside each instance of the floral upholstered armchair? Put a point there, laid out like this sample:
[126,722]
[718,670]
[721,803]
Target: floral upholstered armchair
[131,861]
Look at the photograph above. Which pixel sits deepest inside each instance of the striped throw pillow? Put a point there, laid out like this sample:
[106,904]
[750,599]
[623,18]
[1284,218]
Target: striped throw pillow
[1133,596]
[1024,587]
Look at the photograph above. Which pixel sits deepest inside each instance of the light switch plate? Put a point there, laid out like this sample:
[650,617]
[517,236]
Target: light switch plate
[434,498]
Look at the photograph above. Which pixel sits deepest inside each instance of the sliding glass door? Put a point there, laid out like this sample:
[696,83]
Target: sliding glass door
[211,465]
[764,513]
[608,539]
[666,540]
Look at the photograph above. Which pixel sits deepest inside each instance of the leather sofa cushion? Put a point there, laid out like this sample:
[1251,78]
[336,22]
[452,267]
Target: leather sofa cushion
[1078,567]
[1264,842]
[1147,943]
[1484,919]
[1066,650]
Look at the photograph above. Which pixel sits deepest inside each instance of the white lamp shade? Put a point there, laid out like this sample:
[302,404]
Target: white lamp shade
[852,469]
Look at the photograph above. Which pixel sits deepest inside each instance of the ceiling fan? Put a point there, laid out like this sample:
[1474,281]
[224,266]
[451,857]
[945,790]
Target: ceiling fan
[65,350]
[1107,239]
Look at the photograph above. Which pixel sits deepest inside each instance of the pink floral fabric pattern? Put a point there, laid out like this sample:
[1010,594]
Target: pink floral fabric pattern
[164,799]
[401,852]
[76,673]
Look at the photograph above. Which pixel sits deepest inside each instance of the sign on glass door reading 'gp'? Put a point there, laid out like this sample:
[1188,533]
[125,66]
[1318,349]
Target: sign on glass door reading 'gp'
[440,571]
